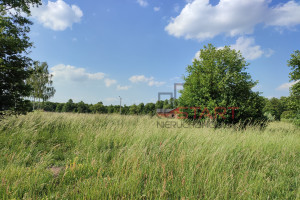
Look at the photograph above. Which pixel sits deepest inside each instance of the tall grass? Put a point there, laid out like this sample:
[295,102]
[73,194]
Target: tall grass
[131,157]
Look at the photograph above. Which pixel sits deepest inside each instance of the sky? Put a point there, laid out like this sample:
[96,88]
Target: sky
[133,49]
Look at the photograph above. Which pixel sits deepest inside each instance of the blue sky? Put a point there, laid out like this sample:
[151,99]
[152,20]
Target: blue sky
[99,50]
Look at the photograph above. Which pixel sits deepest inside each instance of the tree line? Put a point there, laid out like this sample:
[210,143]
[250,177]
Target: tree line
[274,108]
[81,107]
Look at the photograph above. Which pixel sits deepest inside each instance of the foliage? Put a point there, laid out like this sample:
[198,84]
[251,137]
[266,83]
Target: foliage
[14,50]
[69,106]
[289,114]
[98,108]
[218,79]
[81,107]
[269,116]
[275,106]
[294,64]
[41,82]
[81,156]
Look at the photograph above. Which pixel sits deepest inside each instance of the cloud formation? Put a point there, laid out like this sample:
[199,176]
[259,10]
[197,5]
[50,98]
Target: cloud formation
[68,74]
[286,86]
[63,72]
[142,79]
[58,15]
[248,48]
[201,20]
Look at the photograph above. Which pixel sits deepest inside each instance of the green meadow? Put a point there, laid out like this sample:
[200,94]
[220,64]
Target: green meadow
[91,156]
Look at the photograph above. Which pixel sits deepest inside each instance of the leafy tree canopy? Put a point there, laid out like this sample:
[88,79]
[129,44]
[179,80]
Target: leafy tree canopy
[218,79]
[14,49]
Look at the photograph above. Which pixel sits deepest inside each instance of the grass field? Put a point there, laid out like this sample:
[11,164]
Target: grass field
[81,156]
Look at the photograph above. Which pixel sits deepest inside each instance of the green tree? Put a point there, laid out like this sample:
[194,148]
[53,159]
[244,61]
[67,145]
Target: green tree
[294,104]
[125,110]
[110,109]
[59,107]
[150,109]
[49,106]
[275,107]
[133,110]
[41,82]
[82,107]
[14,49]
[294,64]
[69,106]
[141,108]
[167,104]
[99,108]
[159,104]
[218,78]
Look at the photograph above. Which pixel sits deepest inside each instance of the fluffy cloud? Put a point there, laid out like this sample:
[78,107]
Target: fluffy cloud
[246,45]
[70,73]
[286,86]
[57,15]
[248,48]
[150,81]
[67,74]
[142,3]
[200,20]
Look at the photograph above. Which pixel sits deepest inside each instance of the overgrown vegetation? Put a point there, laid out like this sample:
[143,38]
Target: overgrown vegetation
[83,156]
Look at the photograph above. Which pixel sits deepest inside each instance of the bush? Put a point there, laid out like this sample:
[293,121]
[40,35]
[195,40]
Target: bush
[290,114]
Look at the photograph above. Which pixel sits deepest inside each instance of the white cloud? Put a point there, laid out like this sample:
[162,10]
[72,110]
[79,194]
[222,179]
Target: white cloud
[200,20]
[150,81]
[156,9]
[287,14]
[57,15]
[248,48]
[197,55]
[246,45]
[119,87]
[286,86]
[142,3]
[63,72]
[109,82]
[139,78]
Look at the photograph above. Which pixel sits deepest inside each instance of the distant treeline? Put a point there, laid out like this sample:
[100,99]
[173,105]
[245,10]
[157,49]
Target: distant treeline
[275,108]
[81,107]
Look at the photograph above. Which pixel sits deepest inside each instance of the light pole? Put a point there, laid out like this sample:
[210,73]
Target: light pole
[120,105]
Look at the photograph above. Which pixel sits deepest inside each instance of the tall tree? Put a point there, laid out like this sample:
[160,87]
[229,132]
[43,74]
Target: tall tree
[41,82]
[218,78]
[14,49]
[294,64]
